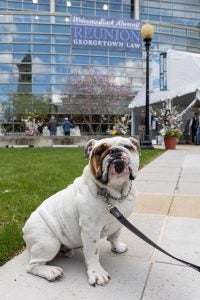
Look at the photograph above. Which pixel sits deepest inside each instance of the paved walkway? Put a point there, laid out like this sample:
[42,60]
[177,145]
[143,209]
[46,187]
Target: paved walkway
[168,211]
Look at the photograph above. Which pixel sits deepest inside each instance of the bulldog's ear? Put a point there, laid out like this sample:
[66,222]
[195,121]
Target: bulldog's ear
[89,146]
[135,143]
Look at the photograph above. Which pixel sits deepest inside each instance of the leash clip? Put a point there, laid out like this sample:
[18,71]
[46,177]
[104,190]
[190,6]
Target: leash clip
[109,206]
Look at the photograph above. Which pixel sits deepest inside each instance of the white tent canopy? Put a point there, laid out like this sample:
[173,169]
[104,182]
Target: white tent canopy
[183,77]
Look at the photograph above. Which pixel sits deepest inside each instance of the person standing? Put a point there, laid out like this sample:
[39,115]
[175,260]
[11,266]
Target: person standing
[67,125]
[193,126]
[198,131]
[40,127]
[52,126]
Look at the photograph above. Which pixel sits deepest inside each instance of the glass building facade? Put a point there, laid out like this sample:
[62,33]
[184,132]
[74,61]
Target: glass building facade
[37,62]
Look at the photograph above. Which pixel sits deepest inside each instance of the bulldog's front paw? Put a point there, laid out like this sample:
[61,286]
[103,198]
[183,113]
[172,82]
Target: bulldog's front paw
[50,273]
[97,275]
[120,248]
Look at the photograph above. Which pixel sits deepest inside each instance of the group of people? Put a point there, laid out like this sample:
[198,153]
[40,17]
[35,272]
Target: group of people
[194,129]
[53,124]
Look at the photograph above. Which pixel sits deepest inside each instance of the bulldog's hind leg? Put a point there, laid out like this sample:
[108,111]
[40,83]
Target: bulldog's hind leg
[116,245]
[65,251]
[42,252]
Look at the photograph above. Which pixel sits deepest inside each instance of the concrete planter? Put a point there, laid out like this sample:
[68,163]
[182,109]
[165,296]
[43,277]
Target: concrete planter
[42,141]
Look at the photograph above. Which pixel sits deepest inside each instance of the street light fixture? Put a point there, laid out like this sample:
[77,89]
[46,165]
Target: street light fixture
[147,32]
[105,7]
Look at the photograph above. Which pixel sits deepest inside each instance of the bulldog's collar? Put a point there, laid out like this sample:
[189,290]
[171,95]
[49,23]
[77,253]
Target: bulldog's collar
[103,192]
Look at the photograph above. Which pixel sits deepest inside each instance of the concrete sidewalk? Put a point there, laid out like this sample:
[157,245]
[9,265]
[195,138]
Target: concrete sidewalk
[167,211]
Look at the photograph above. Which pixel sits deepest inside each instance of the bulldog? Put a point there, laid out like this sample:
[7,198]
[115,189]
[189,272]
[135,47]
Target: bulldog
[78,216]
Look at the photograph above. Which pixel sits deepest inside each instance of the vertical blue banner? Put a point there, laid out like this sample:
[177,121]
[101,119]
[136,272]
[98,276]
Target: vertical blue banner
[91,32]
[163,71]
[155,74]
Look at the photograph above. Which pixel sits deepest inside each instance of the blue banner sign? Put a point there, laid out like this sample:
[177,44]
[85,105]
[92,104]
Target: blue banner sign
[163,71]
[91,32]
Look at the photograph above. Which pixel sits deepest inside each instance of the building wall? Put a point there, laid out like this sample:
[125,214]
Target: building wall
[41,30]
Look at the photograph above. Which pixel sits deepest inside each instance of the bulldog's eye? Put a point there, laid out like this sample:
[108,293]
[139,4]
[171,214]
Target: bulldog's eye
[128,147]
[100,150]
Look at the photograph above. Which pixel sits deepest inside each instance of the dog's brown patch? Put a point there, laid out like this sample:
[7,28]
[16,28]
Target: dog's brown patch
[135,143]
[97,156]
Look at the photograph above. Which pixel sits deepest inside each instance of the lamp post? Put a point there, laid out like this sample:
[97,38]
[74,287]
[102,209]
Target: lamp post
[147,32]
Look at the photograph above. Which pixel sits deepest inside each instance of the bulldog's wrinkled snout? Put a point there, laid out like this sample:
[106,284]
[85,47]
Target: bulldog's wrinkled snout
[115,152]
[119,166]
[118,162]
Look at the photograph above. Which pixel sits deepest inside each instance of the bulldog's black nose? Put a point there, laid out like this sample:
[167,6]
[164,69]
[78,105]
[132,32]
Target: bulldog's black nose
[119,166]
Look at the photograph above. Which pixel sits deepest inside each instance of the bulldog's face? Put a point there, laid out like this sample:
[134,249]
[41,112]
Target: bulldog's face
[113,158]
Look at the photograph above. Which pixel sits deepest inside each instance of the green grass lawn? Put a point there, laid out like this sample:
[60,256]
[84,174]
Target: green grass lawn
[30,175]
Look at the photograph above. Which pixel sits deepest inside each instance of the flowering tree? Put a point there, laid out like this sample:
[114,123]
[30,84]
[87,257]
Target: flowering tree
[89,94]
[169,120]
[120,125]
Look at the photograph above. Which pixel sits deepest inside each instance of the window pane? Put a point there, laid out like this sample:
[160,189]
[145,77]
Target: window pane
[41,69]
[3,4]
[177,13]
[59,49]
[98,60]
[75,10]
[29,6]
[80,51]
[15,5]
[61,39]
[41,28]
[41,38]
[41,78]
[41,48]
[80,59]
[60,79]
[8,88]
[117,53]
[60,29]
[60,59]
[60,69]
[5,68]
[90,4]
[43,7]
[39,88]
[180,40]
[23,27]
[115,61]
[5,48]
[22,19]
[61,9]
[42,58]
[115,6]
[21,38]
[21,48]
[57,89]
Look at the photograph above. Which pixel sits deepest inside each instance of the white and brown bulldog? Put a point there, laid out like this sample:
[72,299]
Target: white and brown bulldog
[78,215]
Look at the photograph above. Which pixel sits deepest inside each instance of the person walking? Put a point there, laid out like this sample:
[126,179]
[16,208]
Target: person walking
[52,126]
[67,125]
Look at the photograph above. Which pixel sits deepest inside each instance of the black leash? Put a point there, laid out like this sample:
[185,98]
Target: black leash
[117,214]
